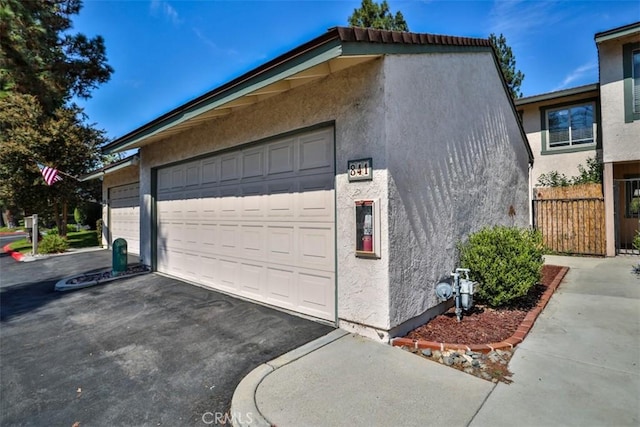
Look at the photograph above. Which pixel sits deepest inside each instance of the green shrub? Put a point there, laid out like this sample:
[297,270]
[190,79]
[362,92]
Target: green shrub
[636,241]
[87,213]
[505,261]
[80,215]
[52,244]
[70,229]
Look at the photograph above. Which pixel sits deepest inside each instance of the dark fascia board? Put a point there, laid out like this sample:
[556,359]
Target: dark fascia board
[360,41]
[112,167]
[557,94]
[615,33]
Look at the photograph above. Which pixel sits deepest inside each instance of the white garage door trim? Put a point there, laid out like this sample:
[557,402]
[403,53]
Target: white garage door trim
[257,222]
[124,215]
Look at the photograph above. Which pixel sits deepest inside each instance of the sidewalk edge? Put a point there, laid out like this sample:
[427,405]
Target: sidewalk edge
[244,410]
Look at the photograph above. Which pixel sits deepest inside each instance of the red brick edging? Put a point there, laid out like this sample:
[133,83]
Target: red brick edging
[509,343]
[14,254]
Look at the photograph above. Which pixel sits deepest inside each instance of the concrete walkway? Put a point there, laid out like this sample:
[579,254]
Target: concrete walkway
[579,365]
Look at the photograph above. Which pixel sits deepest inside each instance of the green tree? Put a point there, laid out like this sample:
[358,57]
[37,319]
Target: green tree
[42,67]
[62,140]
[507,61]
[373,15]
[39,56]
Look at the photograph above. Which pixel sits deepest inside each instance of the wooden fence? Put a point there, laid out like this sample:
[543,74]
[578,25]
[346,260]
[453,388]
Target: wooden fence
[571,219]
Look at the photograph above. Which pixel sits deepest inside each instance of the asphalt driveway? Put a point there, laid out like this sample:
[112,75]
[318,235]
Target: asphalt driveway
[146,350]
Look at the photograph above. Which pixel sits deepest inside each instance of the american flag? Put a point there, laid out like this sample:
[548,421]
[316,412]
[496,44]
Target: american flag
[50,175]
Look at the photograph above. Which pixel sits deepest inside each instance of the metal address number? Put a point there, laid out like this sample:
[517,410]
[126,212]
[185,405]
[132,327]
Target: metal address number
[360,170]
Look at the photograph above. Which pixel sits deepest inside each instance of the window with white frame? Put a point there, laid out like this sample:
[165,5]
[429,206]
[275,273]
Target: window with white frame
[571,126]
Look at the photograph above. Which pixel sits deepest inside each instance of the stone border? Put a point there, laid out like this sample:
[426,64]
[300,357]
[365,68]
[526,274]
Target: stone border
[508,344]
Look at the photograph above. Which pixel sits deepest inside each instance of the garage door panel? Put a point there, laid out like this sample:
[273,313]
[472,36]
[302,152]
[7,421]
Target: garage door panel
[253,241]
[209,272]
[251,280]
[230,167]
[280,286]
[177,178]
[227,269]
[316,292]
[315,204]
[316,152]
[252,163]
[192,175]
[208,233]
[281,156]
[229,201]
[281,202]
[210,168]
[316,247]
[259,223]
[280,244]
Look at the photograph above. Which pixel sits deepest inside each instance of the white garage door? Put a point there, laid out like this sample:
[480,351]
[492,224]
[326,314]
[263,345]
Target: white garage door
[258,222]
[124,215]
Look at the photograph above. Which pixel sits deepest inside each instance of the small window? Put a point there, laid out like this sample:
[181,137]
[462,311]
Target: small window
[570,126]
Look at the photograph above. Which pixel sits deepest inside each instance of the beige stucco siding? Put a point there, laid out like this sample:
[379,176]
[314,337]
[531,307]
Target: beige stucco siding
[457,162]
[621,141]
[352,100]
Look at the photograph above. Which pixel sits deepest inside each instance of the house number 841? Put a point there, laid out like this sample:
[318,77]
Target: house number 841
[359,169]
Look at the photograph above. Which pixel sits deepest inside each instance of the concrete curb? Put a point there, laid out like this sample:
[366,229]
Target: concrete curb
[244,410]
[20,257]
[508,344]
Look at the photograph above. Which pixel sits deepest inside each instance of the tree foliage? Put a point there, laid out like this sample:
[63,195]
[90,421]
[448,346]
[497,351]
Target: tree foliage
[61,140]
[592,174]
[40,57]
[507,61]
[373,15]
[42,67]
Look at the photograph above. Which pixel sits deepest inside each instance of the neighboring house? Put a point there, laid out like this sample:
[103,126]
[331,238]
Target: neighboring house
[120,202]
[619,59]
[563,129]
[335,180]
[602,121]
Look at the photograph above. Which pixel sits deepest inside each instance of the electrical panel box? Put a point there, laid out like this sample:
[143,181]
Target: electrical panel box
[367,228]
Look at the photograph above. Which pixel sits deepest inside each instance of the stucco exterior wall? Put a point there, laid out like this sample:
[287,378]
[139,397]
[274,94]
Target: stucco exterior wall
[456,162]
[123,176]
[352,99]
[620,139]
[562,162]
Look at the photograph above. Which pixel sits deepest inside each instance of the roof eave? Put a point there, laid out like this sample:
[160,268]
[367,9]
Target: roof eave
[557,94]
[100,173]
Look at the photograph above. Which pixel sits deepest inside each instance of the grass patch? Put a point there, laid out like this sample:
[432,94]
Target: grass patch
[76,239]
[10,230]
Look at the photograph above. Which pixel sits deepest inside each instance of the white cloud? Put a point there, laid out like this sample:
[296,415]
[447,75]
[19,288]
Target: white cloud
[577,74]
[520,20]
[212,45]
[167,10]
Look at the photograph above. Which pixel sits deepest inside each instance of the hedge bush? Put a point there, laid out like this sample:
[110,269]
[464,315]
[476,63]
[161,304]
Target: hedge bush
[52,244]
[505,261]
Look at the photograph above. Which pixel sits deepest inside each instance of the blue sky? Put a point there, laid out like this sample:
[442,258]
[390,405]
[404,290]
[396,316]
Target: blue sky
[167,52]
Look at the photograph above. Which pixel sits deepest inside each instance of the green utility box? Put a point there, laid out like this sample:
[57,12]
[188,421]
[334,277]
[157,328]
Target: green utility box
[119,256]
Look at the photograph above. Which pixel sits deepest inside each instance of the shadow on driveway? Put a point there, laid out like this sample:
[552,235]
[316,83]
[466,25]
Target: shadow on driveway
[146,350]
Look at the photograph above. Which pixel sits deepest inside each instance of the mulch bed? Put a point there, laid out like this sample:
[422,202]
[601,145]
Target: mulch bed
[483,324]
